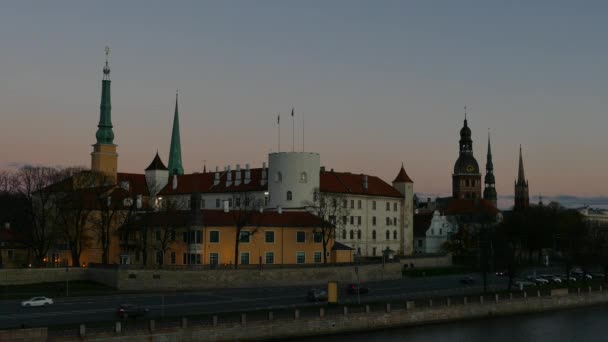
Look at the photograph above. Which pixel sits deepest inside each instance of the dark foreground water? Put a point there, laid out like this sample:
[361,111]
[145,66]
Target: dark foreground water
[580,325]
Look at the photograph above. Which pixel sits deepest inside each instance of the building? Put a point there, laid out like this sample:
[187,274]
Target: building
[13,251]
[522,199]
[466,179]
[431,231]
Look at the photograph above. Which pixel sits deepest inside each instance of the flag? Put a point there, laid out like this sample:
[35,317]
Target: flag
[292,111]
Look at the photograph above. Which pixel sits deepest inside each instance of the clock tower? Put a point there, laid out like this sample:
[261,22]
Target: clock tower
[466,179]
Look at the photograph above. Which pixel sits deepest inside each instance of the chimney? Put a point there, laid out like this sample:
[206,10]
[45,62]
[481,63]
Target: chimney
[174,182]
[279,209]
[226,207]
[228,177]
[247,174]
[138,202]
[365,183]
[264,174]
[237,180]
[322,168]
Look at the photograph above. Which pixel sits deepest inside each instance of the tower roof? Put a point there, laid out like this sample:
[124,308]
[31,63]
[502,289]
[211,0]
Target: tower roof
[175,152]
[104,134]
[402,176]
[521,177]
[156,164]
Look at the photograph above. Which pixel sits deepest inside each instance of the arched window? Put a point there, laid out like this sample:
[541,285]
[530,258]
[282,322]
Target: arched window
[394,235]
[303,177]
[352,234]
[278,177]
[359,234]
[289,196]
[374,234]
[388,234]
[344,234]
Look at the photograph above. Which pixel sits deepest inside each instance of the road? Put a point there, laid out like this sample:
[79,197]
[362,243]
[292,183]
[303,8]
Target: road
[77,310]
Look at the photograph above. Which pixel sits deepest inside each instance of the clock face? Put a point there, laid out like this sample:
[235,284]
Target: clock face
[470,168]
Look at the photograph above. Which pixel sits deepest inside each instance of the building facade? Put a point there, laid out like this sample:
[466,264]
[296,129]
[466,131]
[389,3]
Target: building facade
[466,179]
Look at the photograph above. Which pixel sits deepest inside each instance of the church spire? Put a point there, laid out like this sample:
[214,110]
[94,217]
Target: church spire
[489,193]
[104,134]
[522,199]
[521,178]
[175,152]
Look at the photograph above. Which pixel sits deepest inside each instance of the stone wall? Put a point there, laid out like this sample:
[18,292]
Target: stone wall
[207,279]
[347,323]
[40,275]
[24,335]
[422,261]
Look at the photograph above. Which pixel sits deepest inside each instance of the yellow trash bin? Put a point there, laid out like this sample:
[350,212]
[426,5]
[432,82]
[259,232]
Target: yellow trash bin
[332,292]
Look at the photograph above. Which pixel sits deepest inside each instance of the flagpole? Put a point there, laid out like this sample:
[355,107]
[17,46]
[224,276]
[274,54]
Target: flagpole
[293,132]
[279,129]
[302,131]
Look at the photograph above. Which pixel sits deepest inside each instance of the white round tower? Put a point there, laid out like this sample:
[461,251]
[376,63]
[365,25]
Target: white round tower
[292,178]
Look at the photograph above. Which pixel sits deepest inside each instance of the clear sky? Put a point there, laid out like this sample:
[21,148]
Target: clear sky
[378,82]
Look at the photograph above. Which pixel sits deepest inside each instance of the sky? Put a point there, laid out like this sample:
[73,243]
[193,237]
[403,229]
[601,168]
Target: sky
[377,83]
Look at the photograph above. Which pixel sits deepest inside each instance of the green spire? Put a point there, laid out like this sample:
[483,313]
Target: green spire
[175,153]
[104,134]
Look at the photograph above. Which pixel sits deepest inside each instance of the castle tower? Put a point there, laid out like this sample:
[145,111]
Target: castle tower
[293,178]
[157,175]
[489,193]
[522,200]
[404,184]
[175,151]
[466,179]
[104,158]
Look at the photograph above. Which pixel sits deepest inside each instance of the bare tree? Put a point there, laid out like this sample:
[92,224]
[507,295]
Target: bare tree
[243,208]
[332,211]
[166,229]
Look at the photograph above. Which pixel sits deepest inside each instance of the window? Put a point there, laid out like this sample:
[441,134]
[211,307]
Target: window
[352,204]
[300,237]
[198,236]
[217,202]
[388,206]
[352,220]
[344,220]
[244,236]
[394,235]
[359,220]
[374,234]
[245,258]
[185,260]
[237,202]
[303,177]
[172,258]
[373,220]
[269,258]
[344,234]
[373,205]
[269,237]
[388,234]
[278,177]
[247,201]
[394,221]
[344,203]
[440,231]
[359,234]
[158,235]
[214,236]
[352,234]
[388,221]
[359,204]
[318,237]
[318,257]
[394,206]
[289,196]
[214,258]
[300,258]
[230,203]
[374,251]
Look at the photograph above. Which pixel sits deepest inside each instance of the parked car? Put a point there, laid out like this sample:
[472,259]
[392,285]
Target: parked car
[538,280]
[316,295]
[354,288]
[568,278]
[552,278]
[467,280]
[521,284]
[131,310]
[37,301]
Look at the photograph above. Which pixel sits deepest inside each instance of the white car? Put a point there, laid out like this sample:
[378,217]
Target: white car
[538,280]
[37,301]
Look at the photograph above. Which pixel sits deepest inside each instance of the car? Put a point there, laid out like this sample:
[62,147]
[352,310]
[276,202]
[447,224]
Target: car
[521,284]
[538,280]
[354,288]
[467,280]
[131,310]
[551,278]
[37,301]
[316,295]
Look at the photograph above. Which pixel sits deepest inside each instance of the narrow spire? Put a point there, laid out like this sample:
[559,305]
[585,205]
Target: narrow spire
[465,115]
[521,179]
[104,134]
[175,151]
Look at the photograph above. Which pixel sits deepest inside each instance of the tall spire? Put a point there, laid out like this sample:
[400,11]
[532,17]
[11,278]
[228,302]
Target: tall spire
[104,134]
[521,179]
[175,152]
[489,193]
[522,199]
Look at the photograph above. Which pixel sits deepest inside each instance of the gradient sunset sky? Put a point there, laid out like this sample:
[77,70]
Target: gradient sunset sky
[378,82]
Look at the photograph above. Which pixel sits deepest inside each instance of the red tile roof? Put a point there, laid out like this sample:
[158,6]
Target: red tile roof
[402,176]
[219,218]
[349,183]
[203,183]
[137,182]
[471,207]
